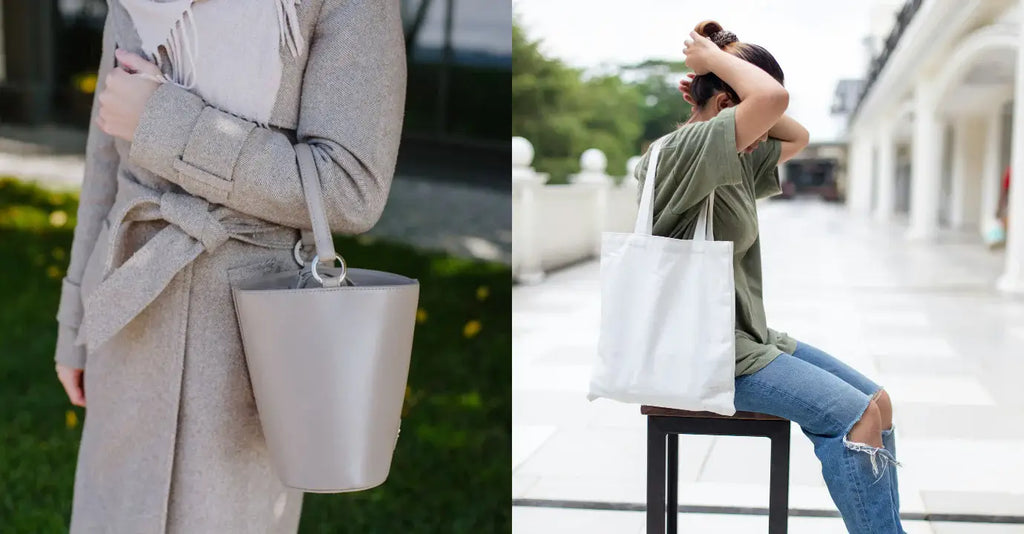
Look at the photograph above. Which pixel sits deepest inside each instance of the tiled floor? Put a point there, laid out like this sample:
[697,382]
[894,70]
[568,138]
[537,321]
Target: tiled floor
[922,319]
[555,521]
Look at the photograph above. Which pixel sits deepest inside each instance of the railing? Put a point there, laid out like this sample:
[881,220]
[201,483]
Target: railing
[903,18]
[558,225]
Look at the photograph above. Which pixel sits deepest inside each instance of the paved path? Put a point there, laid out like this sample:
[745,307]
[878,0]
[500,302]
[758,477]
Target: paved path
[463,219]
[921,319]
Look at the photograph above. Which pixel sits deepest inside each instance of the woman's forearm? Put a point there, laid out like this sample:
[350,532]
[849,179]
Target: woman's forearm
[792,135]
[788,129]
[747,79]
[762,99]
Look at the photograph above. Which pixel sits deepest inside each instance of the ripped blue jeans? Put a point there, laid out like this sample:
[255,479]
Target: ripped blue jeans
[826,398]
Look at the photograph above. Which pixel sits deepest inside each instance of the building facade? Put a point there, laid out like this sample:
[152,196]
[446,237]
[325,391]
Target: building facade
[940,120]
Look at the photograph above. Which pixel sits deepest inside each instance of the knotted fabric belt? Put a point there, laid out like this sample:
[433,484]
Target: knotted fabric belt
[193,228]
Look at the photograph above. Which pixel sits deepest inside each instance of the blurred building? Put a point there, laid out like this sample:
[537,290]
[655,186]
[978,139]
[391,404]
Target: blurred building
[935,127]
[457,108]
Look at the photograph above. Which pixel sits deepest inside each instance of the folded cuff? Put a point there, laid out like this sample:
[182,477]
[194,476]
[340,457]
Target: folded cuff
[164,129]
[190,143]
[70,310]
[69,317]
[67,353]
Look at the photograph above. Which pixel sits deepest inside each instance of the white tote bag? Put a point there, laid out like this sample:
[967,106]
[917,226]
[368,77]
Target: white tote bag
[667,315]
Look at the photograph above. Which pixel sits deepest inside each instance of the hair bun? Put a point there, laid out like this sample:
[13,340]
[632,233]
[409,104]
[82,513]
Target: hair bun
[714,31]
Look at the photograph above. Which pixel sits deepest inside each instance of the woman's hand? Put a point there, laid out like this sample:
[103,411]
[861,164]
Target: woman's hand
[699,52]
[684,87]
[126,90]
[73,381]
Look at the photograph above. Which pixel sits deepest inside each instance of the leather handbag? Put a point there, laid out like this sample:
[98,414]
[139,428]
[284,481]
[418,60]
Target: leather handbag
[328,352]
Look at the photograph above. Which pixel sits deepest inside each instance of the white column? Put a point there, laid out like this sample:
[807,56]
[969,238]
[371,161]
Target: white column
[886,173]
[966,172]
[926,165]
[858,177]
[973,172]
[991,171]
[1012,280]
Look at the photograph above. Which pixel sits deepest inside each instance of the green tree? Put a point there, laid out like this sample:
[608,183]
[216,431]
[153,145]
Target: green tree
[664,108]
[562,112]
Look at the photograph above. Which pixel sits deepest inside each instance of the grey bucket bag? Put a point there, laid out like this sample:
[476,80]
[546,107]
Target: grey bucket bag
[328,351]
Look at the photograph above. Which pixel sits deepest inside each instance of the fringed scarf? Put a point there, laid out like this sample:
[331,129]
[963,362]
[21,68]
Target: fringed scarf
[238,68]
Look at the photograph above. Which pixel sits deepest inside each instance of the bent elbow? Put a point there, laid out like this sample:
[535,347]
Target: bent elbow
[357,210]
[778,100]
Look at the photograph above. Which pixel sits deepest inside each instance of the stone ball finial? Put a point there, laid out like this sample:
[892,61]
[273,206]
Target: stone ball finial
[631,164]
[593,161]
[522,152]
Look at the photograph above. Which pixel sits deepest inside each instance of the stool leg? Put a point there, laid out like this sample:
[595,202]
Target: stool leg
[655,478]
[672,506]
[778,493]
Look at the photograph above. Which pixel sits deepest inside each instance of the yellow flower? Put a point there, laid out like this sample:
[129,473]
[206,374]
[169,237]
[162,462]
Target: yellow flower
[71,419]
[482,292]
[421,315]
[58,218]
[471,329]
[53,271]
[87,84]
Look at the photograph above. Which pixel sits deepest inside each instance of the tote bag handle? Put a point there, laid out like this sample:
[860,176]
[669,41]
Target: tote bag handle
[645,215]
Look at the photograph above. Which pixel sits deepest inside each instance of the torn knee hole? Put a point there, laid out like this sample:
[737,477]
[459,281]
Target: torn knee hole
[880,457]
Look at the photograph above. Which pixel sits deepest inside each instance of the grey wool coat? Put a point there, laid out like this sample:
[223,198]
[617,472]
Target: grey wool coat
[171,441]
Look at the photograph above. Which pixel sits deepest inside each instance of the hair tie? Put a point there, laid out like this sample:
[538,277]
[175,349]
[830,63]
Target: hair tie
[723,38]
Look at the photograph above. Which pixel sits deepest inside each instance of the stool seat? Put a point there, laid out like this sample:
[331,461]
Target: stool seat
[672,412]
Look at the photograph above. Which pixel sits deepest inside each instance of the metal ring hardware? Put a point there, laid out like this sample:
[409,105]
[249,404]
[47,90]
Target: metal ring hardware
[296,255]
[341,277]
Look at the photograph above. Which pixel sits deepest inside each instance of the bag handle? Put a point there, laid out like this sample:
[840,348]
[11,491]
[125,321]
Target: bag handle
[706,220]
[318,218]
[645,215]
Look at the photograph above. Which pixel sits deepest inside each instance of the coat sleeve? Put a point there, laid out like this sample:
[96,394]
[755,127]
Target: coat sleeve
[351,111]
[99,187]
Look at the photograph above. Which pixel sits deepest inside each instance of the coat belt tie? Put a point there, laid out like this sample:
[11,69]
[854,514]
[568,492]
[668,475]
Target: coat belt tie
[194,228]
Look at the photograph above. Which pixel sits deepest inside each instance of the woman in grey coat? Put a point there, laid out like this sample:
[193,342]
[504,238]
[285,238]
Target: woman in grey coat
[191,183]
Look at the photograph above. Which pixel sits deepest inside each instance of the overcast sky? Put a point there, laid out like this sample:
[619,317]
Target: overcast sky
[816,43]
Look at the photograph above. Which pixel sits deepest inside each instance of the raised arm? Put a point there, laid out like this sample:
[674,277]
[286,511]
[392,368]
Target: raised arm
[792,135]
[763,100]
[99,187]
[351,110]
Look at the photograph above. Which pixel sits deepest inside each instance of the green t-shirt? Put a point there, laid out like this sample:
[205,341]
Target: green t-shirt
[694,160]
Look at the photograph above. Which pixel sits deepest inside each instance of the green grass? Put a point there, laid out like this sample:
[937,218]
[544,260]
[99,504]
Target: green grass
[451,471]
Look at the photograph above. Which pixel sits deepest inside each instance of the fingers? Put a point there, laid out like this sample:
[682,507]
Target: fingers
[136,63]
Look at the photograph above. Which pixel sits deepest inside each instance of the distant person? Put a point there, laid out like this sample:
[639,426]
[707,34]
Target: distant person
[191,183]
[736,136]
[997,234]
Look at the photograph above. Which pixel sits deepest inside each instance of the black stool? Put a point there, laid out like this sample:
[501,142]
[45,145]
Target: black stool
[663,428]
